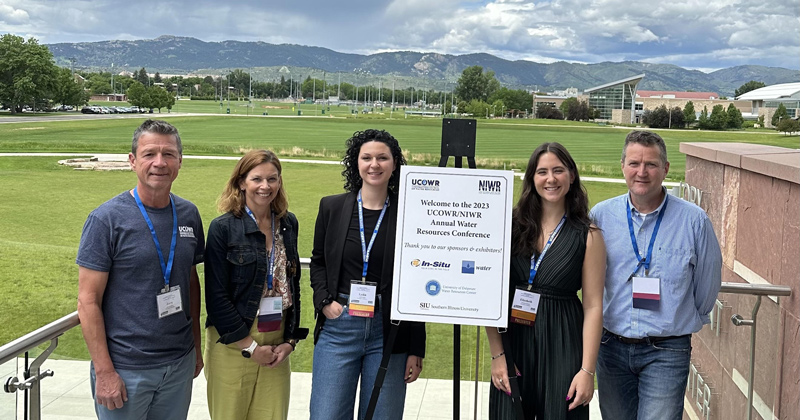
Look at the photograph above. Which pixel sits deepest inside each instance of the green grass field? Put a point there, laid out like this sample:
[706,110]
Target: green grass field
[43,205]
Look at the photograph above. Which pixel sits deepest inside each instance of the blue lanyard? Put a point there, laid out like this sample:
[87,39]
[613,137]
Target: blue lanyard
[166,268]
[644,260]
[365,249]
[271,267]
[535,264]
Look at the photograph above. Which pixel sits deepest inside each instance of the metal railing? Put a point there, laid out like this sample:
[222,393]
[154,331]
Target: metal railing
[30,384]
[757,290]
[32,376]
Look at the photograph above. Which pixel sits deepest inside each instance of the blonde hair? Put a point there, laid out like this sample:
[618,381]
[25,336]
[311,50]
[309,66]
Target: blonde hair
[232,198]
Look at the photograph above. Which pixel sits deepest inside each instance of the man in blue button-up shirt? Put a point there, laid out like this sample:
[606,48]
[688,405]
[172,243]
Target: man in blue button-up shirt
[662,278]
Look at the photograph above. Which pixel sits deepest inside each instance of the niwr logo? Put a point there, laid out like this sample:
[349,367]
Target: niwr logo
[425,184]
[489,187]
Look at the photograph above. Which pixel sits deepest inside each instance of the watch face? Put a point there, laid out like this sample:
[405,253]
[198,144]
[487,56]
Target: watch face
[246,354]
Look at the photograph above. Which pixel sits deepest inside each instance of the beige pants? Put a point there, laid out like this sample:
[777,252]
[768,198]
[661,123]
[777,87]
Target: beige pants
[241,389]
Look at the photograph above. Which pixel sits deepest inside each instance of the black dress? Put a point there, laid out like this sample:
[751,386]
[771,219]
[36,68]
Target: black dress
[548,354]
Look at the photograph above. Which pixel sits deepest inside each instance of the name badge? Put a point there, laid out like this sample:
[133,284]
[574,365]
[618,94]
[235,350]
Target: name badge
[524,307]
[169,301]
[646,293]
[270,312]
[362,299]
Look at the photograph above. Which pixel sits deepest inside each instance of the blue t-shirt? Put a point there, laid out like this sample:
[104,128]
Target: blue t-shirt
[116,240]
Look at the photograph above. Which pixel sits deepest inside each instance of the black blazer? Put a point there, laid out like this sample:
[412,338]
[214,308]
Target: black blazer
[330,231]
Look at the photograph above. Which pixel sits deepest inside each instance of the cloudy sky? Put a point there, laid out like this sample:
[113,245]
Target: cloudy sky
[698,34]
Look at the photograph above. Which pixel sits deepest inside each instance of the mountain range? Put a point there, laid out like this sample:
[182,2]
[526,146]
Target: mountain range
[183,55]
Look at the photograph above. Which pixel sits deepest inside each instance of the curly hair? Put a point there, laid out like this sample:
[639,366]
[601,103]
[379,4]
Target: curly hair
[352,179]
[232,198]
[526,216]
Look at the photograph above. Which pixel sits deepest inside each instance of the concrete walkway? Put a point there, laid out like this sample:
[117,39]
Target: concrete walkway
[67,396]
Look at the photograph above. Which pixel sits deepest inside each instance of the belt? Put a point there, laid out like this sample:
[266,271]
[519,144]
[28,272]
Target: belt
[645,340]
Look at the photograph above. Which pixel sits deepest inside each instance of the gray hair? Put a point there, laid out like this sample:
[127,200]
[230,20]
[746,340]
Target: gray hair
[645,138]
[156,127]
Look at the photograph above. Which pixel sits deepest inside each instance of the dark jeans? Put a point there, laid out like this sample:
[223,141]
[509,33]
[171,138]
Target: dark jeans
[644,381]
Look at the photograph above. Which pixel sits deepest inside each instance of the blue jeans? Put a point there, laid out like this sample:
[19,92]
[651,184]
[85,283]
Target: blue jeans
[350,347]
[644,381]
[154,394]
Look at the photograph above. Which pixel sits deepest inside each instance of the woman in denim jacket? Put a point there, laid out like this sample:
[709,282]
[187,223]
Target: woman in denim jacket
[252,292]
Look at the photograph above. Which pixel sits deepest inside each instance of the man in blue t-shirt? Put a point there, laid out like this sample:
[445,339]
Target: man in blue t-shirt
[138,290]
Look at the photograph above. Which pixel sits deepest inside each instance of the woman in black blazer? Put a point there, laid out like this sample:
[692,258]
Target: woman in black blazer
[351,274]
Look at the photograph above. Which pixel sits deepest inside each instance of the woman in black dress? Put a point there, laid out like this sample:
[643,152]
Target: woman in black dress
[554,337]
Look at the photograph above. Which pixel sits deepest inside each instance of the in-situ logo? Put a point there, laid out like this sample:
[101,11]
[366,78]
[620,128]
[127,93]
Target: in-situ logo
[430,265]
[489,187]
[433,287]
[425,184]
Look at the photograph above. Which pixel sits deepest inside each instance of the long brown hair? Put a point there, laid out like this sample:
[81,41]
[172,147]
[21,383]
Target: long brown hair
[232,198]
[527,214]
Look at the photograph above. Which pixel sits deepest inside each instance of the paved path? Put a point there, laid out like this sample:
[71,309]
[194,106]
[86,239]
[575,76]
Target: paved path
[67,396]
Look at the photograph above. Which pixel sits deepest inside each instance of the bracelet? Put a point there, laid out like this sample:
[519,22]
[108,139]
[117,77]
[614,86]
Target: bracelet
[585,370]
[292,343]
[498,356]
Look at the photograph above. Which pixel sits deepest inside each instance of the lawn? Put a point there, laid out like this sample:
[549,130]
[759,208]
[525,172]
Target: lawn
[43,205]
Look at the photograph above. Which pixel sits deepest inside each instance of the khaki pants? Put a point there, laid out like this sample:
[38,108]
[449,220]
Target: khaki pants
[241,389]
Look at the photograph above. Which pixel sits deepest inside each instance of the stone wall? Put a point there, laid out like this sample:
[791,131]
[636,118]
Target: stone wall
[752,196]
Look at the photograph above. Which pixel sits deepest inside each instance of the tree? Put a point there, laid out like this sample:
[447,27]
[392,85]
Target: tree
[143,77]
[549,112]
[702,122]
[779,115]
[788,126]
[718,119]
[657,118]
[157,78]
[26,71]
[512,98]
[475,84]
[735,119]
[68,91]
[689,116]
[676,118]
[747,87]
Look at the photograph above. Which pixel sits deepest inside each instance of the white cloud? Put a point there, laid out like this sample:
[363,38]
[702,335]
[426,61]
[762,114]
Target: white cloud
[696,33]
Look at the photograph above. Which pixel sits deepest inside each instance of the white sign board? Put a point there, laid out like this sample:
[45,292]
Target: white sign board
[452,252]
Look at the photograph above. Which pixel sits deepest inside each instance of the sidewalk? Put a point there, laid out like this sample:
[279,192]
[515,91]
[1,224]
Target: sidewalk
[67,396]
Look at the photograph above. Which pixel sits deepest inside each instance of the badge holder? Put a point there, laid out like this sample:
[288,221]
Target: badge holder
[362,298]
[270,313]
[524,306]
[168,301]
[646,293]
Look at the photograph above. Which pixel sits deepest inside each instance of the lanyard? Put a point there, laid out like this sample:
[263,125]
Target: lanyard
[535,264]
[166,268]
[365,249]
[644,260]
[271,267]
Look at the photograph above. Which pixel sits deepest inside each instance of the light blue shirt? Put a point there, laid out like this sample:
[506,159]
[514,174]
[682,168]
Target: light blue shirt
[686,258]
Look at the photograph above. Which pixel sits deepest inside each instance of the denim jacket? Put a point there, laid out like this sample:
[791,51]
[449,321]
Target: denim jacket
[235,268]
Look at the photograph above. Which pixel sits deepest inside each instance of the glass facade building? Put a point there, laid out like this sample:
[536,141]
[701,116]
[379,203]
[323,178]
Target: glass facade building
[615,95]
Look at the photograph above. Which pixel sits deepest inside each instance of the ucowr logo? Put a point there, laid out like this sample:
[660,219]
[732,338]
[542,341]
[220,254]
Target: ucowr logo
[423,184]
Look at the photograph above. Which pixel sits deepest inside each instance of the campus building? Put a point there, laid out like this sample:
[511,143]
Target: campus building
[764,101]
[615,100]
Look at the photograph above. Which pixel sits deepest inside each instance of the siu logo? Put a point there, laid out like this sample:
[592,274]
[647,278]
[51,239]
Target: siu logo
[489,187]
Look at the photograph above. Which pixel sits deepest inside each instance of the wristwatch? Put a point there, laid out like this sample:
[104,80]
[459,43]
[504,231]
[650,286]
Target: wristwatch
[248,352]
[325,302]
[292,342]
